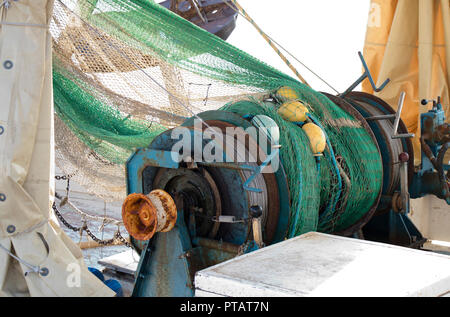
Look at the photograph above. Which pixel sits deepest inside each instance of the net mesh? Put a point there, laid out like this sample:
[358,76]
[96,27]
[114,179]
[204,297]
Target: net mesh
[124,71]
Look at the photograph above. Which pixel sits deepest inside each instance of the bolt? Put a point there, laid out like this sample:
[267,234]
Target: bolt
[8,64]
[1,130]
[11,229]
[403,157]
[256,211]
[2,197]
[44,271]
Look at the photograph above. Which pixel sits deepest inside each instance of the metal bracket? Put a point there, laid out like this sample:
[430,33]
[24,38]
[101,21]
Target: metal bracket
[228,219]
[256,213]
[404,194]
[436,103]
[259,169]
[364,76]
[396,117]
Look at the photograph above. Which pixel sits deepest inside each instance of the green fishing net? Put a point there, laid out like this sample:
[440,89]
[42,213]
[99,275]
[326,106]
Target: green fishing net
[124,71]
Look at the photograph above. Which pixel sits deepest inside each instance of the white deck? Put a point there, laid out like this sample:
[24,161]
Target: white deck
[317,264]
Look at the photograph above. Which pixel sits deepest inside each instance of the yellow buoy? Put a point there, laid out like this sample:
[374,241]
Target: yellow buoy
[316,137]
[293,111]
[286,93]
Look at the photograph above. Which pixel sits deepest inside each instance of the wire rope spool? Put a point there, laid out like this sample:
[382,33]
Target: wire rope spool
[198,192]
[346,106]
[246,151]
[275,227]
[341,193]
[390,148]
[301,216]
[213,191]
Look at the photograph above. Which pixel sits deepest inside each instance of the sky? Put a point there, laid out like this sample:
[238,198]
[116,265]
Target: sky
[326,35]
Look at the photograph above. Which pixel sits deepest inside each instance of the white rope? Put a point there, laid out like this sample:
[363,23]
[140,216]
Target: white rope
[5,5]
[104,220]
[280,46]
[33,268]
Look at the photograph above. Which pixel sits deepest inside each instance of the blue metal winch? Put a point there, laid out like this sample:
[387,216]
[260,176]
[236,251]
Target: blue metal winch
[219,215]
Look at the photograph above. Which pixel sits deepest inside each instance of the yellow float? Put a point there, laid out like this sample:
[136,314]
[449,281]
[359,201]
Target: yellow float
[316,137]
[286,93]
[293,111]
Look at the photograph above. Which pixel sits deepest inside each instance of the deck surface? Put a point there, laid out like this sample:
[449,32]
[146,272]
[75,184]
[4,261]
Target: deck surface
[317,264]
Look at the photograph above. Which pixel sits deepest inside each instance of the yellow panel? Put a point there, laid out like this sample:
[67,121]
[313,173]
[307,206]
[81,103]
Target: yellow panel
[408,41]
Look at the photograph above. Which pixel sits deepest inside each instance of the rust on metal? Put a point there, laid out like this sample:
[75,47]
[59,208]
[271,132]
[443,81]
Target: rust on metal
[214,16]
[217,245]
[144,215]
[139,216]
[167,215]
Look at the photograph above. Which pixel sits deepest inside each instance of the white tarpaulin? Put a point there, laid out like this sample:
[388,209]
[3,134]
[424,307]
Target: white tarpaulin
[36,256]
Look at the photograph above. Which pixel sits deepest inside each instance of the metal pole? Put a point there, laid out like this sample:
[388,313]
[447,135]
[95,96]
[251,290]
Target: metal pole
[399,111]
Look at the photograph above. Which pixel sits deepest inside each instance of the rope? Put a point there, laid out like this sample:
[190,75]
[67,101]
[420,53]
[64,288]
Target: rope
[266,37]
[5,5]
[269,38]
[84,216]
[33,268]
[117,236]
[330,209]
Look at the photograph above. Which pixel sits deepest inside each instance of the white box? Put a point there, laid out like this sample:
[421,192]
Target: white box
[317,264]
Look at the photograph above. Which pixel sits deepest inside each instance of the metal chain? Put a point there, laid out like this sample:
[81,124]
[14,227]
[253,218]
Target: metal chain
[61,218]
[122,239]
[117,236]
[99,241]
[104,220]
[64,177]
